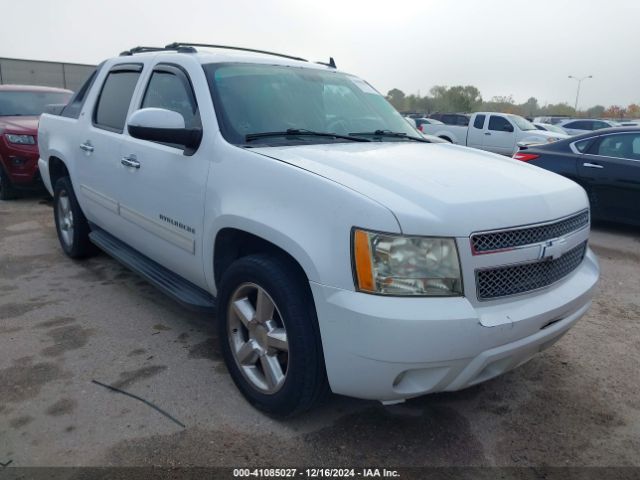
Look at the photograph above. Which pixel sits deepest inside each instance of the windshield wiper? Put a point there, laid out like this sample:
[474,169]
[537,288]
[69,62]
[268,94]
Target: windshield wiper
[389,133]
[296,132]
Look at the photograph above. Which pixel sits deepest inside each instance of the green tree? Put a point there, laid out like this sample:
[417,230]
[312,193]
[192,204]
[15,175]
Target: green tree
[397,98]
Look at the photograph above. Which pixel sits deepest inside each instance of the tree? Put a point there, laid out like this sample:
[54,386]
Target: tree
[530,107]
[614,111]
[397,98]
[633,110]
[596,111]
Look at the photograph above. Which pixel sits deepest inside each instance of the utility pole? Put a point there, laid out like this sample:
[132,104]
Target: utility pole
[579,80]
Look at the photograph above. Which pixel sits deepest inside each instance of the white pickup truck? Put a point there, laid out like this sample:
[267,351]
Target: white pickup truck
[495,132]
[335,247]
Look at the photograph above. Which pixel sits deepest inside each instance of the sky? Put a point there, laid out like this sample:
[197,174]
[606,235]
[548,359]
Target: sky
[522,48]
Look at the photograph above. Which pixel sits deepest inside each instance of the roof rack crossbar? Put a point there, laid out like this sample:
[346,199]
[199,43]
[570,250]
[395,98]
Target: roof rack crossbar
[177,45]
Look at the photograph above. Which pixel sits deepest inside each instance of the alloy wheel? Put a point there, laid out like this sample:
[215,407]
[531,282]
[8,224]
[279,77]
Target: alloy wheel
[258,338]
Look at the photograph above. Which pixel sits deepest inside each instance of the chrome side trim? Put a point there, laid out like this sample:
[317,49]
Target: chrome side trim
[166,232]
[99,198]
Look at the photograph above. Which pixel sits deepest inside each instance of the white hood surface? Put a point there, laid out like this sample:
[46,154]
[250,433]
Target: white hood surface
[440,189]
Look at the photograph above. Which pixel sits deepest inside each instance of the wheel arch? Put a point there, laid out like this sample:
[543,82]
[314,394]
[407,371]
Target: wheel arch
[232,242]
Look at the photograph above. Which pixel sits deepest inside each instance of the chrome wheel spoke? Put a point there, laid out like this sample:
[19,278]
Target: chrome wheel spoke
[272,371]
[64,203]
[248,353]
[244,310]
[264,307]
[277,339]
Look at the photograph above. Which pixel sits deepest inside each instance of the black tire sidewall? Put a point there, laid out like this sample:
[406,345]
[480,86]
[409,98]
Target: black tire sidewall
[80,244]
[305,371]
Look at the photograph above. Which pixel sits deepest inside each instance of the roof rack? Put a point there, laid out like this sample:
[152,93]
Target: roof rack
[184,47]
[135,50]
[177,45]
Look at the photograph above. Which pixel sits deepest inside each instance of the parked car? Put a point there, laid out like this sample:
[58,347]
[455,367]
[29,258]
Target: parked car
[495,132]
[580,126]
[420,122]
[339,249]
[547,127]
[460,119]
[20,107]
[607,165]
[550,119]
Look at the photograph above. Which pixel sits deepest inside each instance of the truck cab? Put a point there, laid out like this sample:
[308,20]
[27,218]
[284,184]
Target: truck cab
[500,133]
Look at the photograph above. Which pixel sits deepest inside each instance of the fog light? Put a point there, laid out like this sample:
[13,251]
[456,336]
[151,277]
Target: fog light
[18,161]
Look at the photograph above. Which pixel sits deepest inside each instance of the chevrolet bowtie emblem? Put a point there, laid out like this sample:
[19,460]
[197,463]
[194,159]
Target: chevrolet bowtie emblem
[553,249]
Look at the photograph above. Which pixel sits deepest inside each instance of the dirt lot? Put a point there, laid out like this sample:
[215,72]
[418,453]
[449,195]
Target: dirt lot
[65,323]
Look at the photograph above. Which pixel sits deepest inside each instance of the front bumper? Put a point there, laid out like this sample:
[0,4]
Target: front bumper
[391,348]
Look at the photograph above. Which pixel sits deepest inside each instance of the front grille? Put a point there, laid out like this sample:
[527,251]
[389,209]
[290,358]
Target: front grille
[525,277]
[505,239]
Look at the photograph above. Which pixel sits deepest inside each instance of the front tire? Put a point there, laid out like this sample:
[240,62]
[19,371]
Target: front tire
[268,329]
[7,190]
[71,224]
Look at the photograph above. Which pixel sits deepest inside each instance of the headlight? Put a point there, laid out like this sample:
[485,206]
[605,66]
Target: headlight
[21,139]
[400,265]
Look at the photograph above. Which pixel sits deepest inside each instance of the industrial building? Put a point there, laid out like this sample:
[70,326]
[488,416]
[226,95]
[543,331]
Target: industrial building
[52,74]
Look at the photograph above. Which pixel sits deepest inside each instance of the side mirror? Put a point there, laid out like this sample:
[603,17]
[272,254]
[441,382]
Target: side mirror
[164,126]
[508,127]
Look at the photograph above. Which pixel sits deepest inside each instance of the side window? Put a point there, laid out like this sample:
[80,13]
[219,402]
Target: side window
[115,97]
[620,146]
[74,107]
[479,121]
[449,119]
[499,124]
[576,125]
[597,125]
[170,89]
[582,145]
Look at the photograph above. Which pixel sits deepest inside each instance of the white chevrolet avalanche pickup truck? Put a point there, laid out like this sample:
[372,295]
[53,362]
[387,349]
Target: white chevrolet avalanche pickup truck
[337,249]
[494,132]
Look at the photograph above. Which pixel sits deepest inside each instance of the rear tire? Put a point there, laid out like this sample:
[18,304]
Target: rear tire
[285,340]
[71,224]
[7,190]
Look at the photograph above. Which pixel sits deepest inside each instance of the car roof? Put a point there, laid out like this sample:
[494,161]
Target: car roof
[206,55]
[32,88]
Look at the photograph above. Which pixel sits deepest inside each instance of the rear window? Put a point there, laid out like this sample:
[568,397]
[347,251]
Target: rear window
[479,121]
[25,103]
[115,97]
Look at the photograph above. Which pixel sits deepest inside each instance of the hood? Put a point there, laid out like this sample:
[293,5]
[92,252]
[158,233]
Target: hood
[20,125]
[440,189]
[545,134]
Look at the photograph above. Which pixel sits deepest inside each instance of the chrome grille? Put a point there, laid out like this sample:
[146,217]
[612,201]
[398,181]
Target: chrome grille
[505,239]
[515,279]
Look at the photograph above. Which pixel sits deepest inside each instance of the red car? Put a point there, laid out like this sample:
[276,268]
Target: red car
[20,108]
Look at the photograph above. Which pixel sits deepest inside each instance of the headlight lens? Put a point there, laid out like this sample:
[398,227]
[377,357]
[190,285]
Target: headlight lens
[21,139]
[401,265]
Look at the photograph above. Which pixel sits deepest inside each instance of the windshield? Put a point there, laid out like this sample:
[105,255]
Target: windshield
[254,98]
[554,128]
[21,103]
[522,123]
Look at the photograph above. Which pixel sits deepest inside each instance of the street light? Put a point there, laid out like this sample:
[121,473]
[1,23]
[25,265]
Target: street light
[579,80]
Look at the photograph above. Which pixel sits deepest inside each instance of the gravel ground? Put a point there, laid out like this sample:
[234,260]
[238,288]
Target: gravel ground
[65,323]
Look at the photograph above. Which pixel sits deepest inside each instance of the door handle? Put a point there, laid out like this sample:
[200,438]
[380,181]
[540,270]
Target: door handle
[87,147]
[487,133]
[592,165]
[130,161]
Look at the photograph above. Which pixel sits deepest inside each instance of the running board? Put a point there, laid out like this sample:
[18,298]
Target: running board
[173,285]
